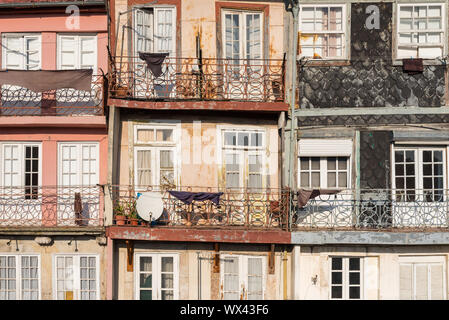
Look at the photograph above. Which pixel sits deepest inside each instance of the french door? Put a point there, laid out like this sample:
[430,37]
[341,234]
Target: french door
[156,276]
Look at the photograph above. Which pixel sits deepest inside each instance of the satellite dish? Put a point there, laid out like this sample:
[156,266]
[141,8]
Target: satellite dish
[149,206]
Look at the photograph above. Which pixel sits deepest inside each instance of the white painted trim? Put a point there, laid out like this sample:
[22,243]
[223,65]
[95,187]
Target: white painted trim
[77,49]
[23,35]
[345,277]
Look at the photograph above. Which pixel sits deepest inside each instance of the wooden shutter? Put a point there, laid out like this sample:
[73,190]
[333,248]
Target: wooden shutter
[32,48]
[88,58]
[67,53]
[405,282]
[13,48]
[231,279]
[421,282]
[255,278]
[436,281]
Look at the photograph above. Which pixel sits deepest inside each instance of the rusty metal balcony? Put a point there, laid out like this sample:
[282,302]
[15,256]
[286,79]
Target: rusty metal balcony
[386,209]
[30,206]
[204,79]
[237,208]
[19,101]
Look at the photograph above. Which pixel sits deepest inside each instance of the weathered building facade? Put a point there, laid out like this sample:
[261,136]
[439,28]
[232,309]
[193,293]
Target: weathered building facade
[53,150]
[372,135]
[209,121]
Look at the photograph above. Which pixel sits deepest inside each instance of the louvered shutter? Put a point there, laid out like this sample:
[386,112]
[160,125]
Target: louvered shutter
[421,282]
[405,282]
[87,53]
[231,281]
[68,59]
[436,282]
[255,278]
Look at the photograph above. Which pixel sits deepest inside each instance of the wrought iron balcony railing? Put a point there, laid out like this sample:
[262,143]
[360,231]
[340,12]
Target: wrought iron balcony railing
[194,79]
[51,206]
[375,209]
[19,101]
[266,209]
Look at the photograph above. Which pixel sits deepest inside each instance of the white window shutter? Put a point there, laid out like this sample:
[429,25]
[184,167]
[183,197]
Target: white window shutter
[68,48]
[405,282]
[87,53]
[33,52]
[13,48]
[255,278]
[421,280]
[231,281]
[436,282]
[11,163]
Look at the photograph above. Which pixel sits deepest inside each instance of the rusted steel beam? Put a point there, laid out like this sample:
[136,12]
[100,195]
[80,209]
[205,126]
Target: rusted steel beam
[201,105]
[198,235]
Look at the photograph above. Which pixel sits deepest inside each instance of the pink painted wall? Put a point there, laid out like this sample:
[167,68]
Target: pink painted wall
[51,25]
[50,137]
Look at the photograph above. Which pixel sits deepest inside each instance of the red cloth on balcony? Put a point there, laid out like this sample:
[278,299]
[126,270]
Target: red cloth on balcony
[305,195]
[154,61]
[188,197]
[46,80]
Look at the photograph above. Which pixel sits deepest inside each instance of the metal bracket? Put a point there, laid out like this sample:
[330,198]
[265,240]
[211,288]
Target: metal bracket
[271,260]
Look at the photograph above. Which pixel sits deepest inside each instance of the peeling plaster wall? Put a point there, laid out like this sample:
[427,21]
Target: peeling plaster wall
[200,164]
[188,269]
[85,245]
[380,279]
[370,79]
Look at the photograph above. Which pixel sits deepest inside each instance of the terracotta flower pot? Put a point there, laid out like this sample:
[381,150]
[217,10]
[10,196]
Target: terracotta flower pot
[120,220]
[134,222]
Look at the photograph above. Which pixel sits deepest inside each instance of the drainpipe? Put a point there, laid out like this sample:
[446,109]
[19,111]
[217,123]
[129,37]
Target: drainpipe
[291,179]
[198,257]
[284,262]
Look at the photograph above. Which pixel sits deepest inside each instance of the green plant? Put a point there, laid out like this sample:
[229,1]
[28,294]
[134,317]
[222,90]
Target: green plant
[119,209]
[132,210]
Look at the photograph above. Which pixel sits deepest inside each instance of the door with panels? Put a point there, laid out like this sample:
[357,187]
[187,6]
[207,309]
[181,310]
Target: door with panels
[154,32]
[242,51]
[78,173]
[243,277]
[20,168]
[245,172]
[419,186]
[157,276]
[422,278]
[76,277]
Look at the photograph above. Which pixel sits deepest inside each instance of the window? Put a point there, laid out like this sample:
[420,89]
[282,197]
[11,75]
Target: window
[419,173]
[322,31]
[21,51]
[346,278]
[78,164]
[242,36]
[421,30]
[243,277]
[155,155]
[422,278]
[77,52]
[157,277]
[19,277]
[324,172]
[76,277]
[155,30]
[20,167]
[243,158]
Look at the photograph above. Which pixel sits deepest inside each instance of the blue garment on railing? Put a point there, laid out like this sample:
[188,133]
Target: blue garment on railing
[188,197]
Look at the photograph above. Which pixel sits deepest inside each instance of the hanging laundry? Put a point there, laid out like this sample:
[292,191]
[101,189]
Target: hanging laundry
[305,195]
[46,80]
[154,61]
[188,197]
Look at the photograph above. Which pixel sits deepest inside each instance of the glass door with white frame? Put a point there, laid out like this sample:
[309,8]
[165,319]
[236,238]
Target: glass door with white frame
[19,277]
[156,277]
[419,186]
[243,277]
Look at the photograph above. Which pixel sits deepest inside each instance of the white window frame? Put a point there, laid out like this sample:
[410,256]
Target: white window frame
[424,260]
[22,145]
[345,277]
[77,49]
[244,152]
[153,26]
[18,258]
[76,274]
[243,273]
[156,273]
[324,171]
[243,41]
[419,175]
[443,30]
[23,36]
[345,30]
[155,146]
[79,145]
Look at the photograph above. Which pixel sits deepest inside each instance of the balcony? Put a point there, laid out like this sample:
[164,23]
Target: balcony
[236,208]
[385,209]
[207,79]
[19,101]
[51,206]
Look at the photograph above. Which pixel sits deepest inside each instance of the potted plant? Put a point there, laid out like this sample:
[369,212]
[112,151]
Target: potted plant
[119,213]
[132,215]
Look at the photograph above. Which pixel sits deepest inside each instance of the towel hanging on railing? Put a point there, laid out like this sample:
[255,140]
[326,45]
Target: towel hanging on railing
[154,61]
[188,197]
[47,80]
[305,195]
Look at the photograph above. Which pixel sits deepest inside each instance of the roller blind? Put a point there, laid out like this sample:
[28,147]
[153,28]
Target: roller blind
[324,147]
